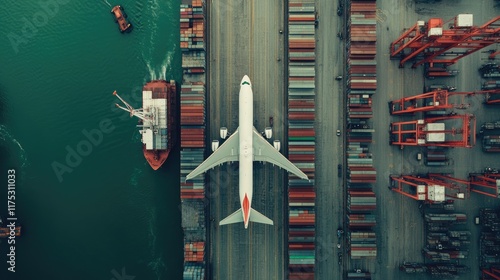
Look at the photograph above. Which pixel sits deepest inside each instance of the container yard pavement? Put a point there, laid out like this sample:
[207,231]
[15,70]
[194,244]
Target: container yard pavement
[330,112]
[400,227]
[244,39]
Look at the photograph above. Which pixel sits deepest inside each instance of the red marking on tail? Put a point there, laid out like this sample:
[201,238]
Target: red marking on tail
[246,209]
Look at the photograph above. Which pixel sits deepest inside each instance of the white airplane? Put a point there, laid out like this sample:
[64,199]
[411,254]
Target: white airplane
[246,145]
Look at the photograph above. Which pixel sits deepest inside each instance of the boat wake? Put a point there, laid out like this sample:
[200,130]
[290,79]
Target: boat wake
[157,263]
[152,18]
[107,3]
[150,49]
[155,6]
[152,72]
[7,140]
[134,178]
[165,66]
[148,217]
[160,73]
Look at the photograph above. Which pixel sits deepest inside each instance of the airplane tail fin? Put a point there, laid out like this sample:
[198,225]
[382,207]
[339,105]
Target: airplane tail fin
[237,217]
[257,217]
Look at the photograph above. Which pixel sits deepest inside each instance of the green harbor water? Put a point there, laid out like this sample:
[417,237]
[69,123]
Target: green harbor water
[89,204]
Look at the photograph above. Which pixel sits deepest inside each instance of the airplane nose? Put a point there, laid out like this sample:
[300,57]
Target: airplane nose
[246,80]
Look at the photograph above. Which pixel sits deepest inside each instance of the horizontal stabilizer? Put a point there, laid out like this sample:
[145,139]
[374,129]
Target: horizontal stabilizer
[236,217]
[257,217]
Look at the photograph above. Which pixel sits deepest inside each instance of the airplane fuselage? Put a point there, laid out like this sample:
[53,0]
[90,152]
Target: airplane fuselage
[246,147]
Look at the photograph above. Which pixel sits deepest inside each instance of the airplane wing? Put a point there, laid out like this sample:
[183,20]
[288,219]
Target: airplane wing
[228,151]
[263,151]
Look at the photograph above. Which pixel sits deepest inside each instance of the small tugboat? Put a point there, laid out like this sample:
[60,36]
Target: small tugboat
[121,18]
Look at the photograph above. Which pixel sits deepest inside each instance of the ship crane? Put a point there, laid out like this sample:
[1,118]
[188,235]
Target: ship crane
[150,119]
[429,42]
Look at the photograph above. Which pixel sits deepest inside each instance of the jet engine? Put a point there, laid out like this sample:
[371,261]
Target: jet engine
[223,132]
[277,144]
[215,145]
[269,132]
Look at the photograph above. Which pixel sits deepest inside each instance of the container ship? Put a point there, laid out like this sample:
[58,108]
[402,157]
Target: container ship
[157,120]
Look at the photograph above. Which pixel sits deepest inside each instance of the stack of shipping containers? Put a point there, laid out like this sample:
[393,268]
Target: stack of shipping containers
[438,70]
[363,244]
[491,136]
[440,255]
[446,218]
[436,156]
[490,238]
[491,143]
[448,240]
[358,275]
[491,72]
[491,85]
[194,253]
[436,270]
[301,138]
[361,80]
[445,244]
[192,37]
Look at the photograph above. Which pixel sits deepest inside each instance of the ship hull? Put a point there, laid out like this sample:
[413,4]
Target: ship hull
[164,90]
[156,158]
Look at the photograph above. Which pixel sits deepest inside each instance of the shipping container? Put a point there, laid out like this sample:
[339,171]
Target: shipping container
[192,120]
[301,137]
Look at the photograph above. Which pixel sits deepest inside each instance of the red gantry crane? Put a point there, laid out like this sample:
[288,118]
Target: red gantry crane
[491,274]
[429,42]
[434,100]
[493,97]
[493,54]
[432,132]
[486,183]
[460,186]
[433,189]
